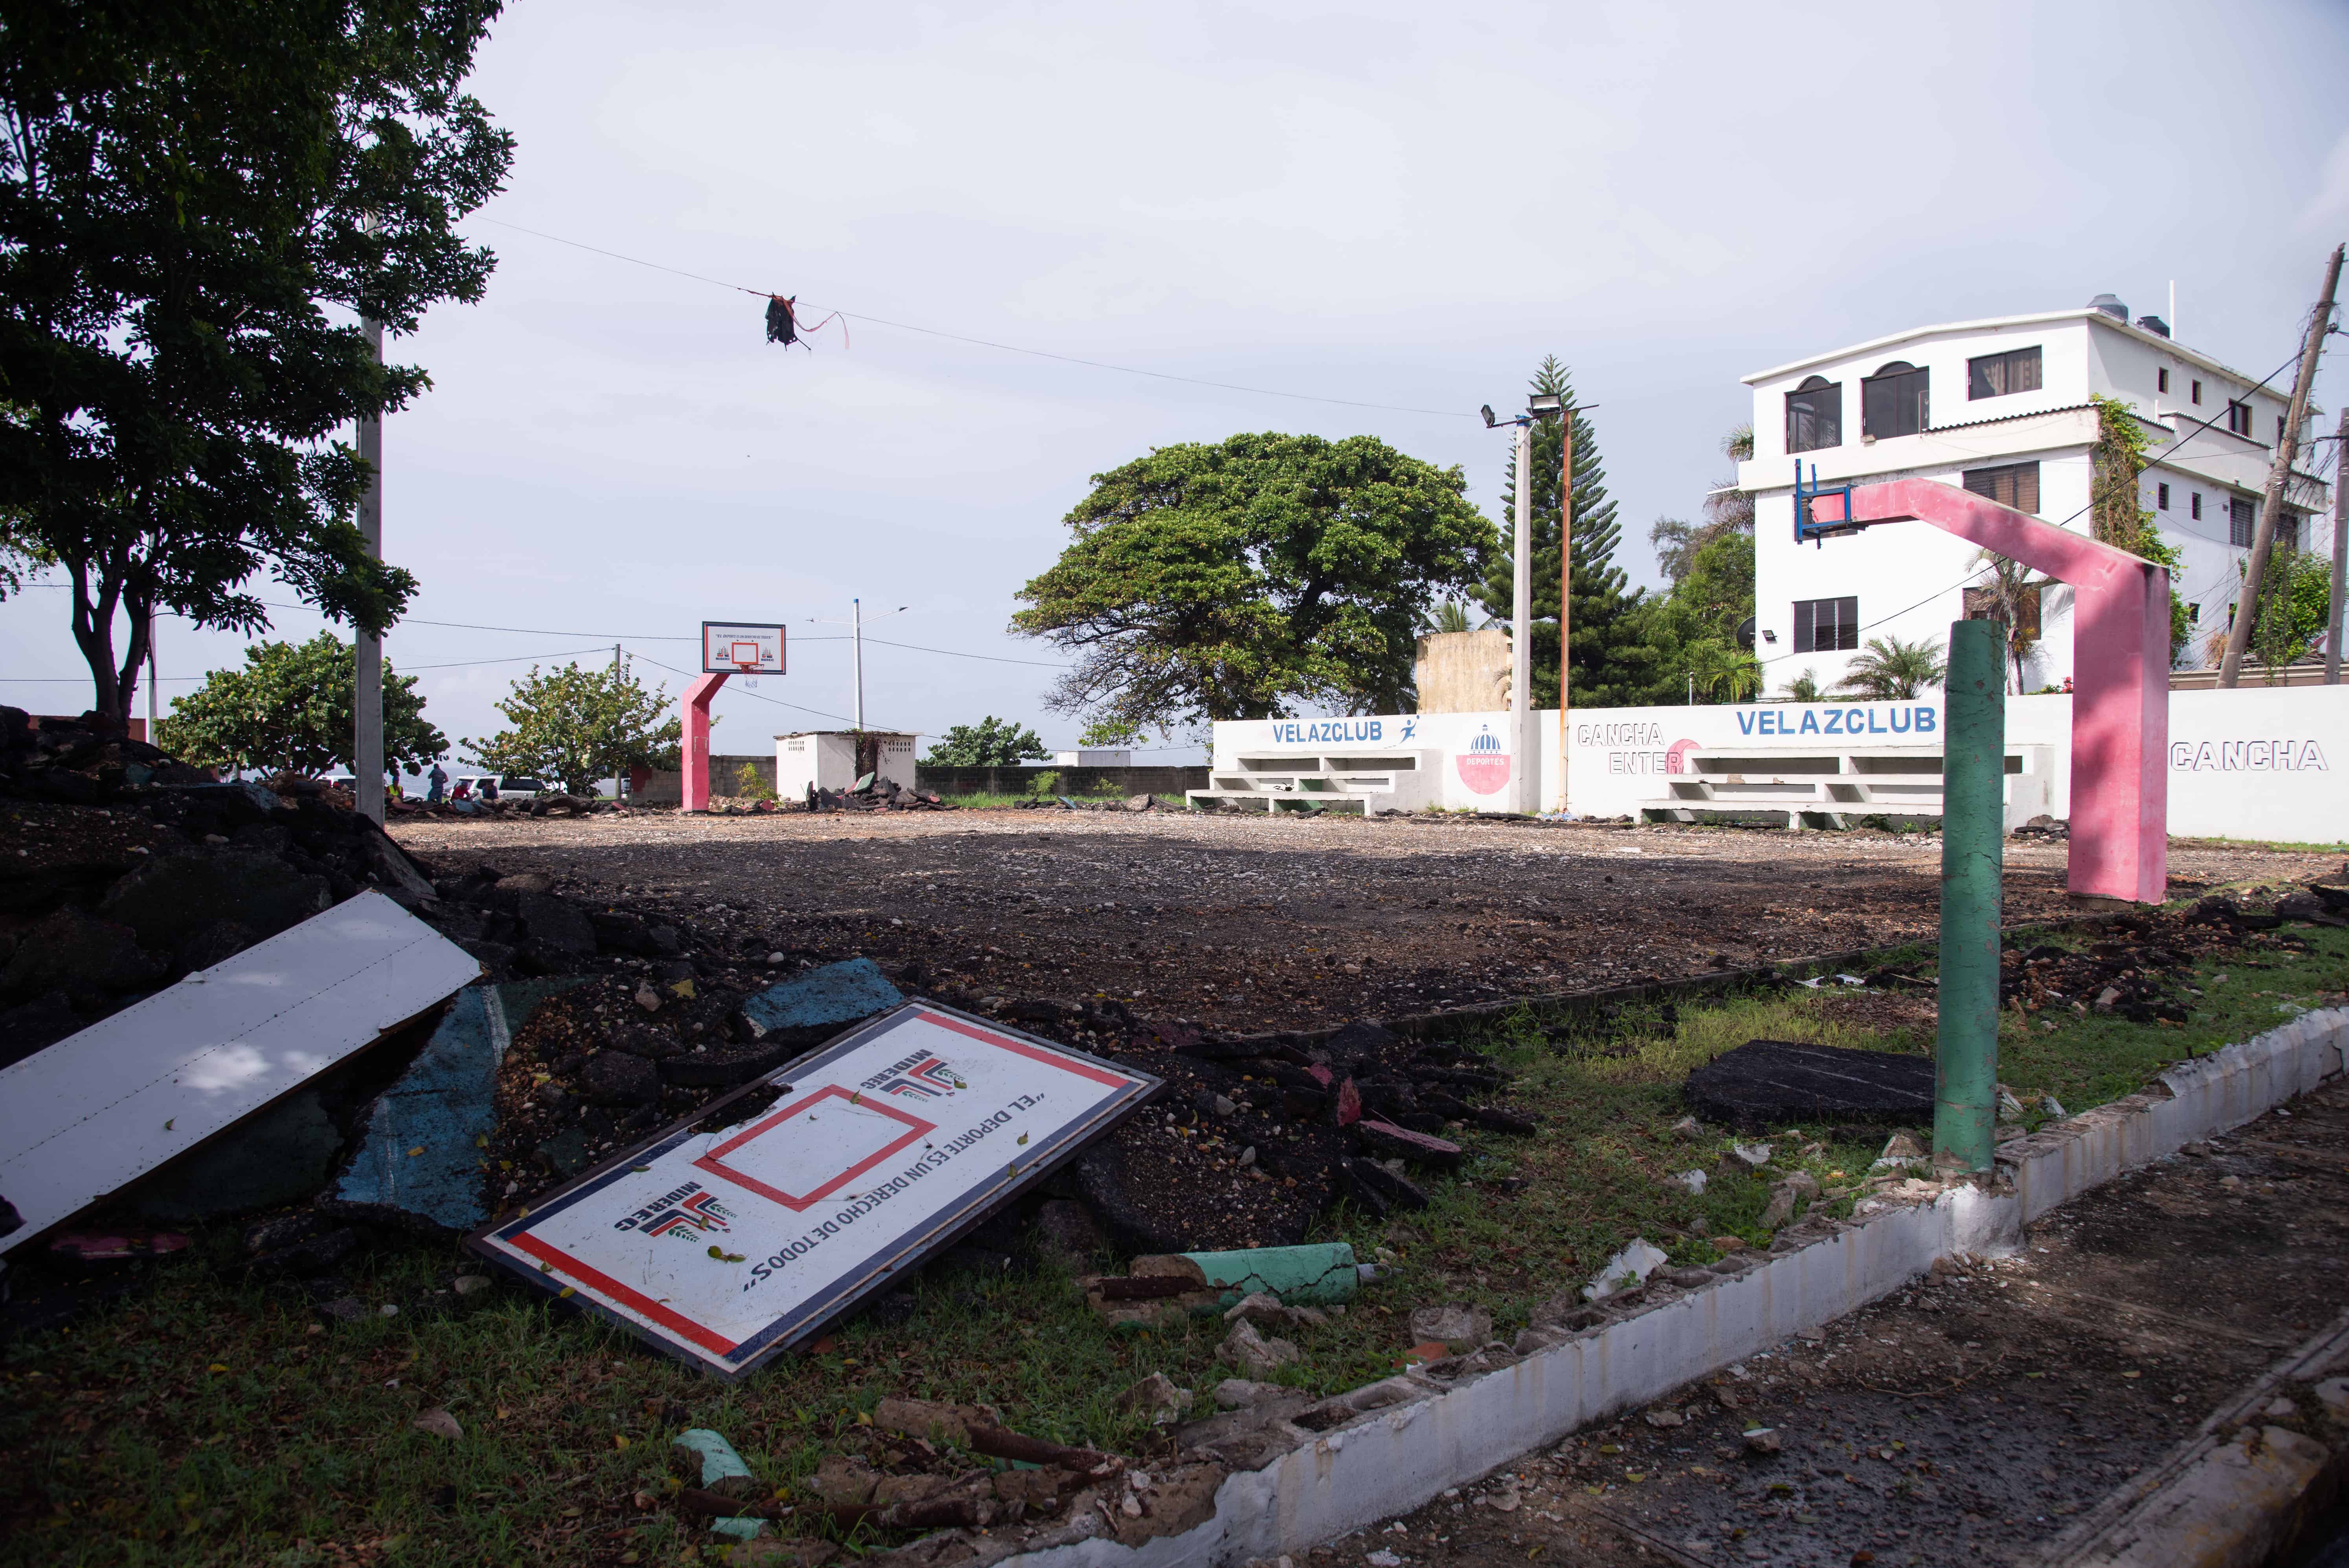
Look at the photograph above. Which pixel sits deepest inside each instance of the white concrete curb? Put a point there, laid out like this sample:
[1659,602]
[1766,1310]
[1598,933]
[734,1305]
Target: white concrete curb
[1397,1456]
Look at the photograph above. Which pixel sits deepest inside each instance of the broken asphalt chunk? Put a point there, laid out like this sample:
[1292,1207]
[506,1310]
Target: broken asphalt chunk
[1770,1081]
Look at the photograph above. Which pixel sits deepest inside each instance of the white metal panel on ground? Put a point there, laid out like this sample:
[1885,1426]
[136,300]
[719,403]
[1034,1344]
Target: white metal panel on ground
[100,1108]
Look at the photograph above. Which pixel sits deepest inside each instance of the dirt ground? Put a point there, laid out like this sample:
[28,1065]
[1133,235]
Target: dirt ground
[1248,922]
[1972,1419]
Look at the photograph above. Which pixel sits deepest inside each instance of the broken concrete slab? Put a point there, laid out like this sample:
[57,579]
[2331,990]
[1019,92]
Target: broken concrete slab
[1764,1082]
[419,1158]
[105,1106]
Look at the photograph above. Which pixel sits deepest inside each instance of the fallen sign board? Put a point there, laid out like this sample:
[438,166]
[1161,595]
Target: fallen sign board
[131,1092]
[727,1240]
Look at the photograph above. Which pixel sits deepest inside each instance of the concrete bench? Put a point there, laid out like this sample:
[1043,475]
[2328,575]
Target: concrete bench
[1836,789]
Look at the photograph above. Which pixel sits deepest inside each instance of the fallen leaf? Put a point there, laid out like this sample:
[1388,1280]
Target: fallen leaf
[437,1422]
[217,1366]
[1023,1137]
[566,1292]
[416,1151]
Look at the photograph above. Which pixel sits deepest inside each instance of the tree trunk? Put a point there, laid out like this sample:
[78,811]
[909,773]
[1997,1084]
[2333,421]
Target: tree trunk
[93,630]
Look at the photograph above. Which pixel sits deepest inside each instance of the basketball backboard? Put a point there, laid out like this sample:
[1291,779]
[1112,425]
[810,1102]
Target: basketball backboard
[729,648]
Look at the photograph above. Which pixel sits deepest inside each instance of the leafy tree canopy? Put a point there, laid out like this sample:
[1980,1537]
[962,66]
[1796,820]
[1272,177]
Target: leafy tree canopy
[580,726]
[992,742]
[293,706]
[1253,577]
[1610,665]
[196,199]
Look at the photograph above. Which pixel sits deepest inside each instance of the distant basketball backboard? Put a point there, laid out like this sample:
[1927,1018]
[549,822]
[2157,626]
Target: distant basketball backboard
[727,649]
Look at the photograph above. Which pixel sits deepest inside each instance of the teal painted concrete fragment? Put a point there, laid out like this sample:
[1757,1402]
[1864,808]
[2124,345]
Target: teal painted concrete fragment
[836,993]
[1318,1273]
[420,1155]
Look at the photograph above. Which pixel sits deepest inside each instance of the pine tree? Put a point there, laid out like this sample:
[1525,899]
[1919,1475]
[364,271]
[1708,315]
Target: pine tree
[1609,651]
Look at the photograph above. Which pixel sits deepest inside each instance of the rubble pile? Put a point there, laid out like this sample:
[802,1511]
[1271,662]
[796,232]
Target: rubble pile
[874,792]
[79,761]
[1136,802]
[2142,971]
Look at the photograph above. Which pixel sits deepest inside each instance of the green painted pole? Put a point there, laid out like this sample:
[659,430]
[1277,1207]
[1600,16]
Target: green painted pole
[1973,856]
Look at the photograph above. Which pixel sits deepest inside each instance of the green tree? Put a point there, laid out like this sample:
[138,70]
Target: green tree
[1727,510]
[292,706]
[1804,688]
[1611,667]
[196,199]
[579,726]
[992,742]
[1252,577]
[2295,604]
[1450,615]
[1110,733]
[1891,670]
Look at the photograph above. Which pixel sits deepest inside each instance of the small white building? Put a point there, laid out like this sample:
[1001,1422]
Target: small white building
[836,759]
[1094,757]
[2000,407]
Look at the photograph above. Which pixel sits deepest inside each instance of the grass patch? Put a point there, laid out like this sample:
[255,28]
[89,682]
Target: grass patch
[210,1419]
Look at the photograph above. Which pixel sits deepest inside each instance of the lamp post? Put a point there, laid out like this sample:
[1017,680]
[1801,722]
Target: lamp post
[1523,796]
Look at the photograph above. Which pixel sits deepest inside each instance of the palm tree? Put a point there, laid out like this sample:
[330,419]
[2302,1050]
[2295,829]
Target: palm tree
[1804,688]
[1450,615]
[2010,590]
[1891,670]
[1722,672]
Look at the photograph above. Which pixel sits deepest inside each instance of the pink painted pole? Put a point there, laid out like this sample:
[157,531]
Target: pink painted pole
[2120,675]
[695,759]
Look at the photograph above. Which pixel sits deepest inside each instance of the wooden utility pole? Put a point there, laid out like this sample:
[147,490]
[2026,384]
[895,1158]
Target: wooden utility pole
[2340,549]
[2247,608]
[1564,603]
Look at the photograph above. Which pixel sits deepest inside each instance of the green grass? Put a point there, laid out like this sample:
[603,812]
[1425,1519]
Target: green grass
[205,1419]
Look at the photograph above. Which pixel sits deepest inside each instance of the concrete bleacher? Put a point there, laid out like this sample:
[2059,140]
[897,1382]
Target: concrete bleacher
[1320,778]
[1835,788]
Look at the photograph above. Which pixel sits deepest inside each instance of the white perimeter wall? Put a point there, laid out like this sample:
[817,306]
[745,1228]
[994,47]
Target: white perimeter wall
[2258,763]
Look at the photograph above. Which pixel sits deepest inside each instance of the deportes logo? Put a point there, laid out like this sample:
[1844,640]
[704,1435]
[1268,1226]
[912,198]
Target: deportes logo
[922,1076]
[697,1216]
[1483,766]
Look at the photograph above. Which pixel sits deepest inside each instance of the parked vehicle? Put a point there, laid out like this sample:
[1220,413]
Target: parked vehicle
[510,786]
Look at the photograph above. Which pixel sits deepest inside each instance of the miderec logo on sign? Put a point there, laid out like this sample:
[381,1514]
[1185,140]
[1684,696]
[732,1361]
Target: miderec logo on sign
[1483,766]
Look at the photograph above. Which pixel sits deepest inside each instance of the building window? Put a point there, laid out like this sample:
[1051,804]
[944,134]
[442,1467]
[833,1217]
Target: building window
[2161,379]
[2193,615]
[2242,520]
[1826,625]
[2196,391]
[2278,430]
[2015,484]
[1814,415]
[2195,505]
[1893,402]
[1981,604]
[2238,417]
[2161,496]
[1997,375]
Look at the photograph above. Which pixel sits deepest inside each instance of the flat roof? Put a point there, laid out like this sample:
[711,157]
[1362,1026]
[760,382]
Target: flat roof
[2089,311]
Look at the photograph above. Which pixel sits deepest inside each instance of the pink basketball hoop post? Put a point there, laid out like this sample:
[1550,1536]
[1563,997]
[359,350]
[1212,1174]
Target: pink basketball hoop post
[695,759]
[2120,673]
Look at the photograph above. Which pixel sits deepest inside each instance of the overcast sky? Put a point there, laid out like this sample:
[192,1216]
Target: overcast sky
[1384,203]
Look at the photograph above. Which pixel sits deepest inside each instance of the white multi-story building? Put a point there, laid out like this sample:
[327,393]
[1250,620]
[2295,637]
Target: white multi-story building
[2003,408]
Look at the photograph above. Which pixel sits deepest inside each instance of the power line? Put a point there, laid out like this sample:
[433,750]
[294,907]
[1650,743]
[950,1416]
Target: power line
[989,343]
[754,696]
[951,654]
[458,664]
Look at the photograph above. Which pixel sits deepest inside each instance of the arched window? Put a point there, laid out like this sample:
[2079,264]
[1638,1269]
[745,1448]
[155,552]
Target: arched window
[1893,402]
[1814,415]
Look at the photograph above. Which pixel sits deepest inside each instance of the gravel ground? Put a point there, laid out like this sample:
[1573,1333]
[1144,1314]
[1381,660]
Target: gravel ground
[1245,922]
[1972,1419]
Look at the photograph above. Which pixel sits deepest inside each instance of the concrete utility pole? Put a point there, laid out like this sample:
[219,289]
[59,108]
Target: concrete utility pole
[1565,602]
[1521,631]
[856,655]
[154,715]
[619,775]
[366,711]
[2247,609]
[1973,857]
[2340,551]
